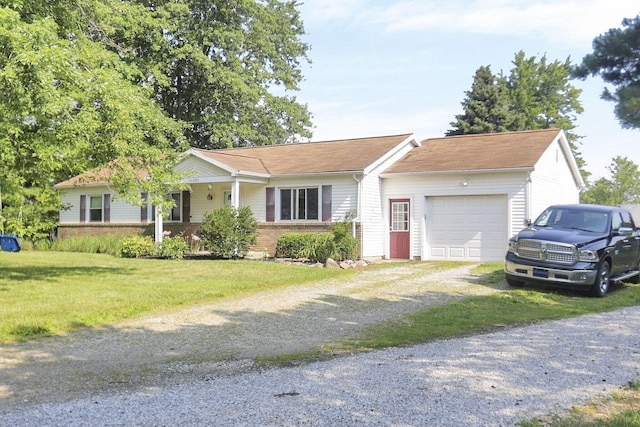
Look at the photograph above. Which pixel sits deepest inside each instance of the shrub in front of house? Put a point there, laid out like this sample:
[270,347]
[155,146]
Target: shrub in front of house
[339,245]
[228,232]
[137,246]
[291,245]
[345,245]
[173,247]
[314,246]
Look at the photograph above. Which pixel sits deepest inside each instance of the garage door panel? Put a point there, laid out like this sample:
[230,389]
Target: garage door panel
[472,228]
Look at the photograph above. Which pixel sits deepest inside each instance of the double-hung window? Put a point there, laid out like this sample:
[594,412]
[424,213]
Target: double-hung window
[299,203]
[95,208]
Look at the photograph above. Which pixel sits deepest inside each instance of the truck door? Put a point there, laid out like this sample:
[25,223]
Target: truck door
[626,246]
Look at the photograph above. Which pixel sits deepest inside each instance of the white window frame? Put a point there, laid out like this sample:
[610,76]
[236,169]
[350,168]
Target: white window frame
[91,209]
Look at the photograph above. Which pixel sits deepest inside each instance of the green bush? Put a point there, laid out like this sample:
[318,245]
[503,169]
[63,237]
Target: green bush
[291,245]
[173,247]
[137,246]
[319,247]
[345,246]
[315,246]
[228,232]
[339,245]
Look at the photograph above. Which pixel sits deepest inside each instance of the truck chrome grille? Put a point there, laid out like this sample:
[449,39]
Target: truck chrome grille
[541,250]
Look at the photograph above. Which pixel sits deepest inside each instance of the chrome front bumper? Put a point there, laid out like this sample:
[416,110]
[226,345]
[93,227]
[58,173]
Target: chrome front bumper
[551,275]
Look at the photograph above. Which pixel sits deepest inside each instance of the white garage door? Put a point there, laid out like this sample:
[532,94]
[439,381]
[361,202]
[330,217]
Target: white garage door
[469,228]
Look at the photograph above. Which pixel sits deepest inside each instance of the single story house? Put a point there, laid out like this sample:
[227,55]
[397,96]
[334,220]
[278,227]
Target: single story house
[456,198]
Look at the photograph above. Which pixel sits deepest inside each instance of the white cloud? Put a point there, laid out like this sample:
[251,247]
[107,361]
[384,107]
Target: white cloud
[568,22]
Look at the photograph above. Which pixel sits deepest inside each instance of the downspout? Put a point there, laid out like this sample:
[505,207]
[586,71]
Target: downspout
[528,197]
[357,218]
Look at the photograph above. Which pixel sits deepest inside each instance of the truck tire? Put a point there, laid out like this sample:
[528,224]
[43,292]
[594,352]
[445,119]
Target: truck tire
[601,286]
[514,283]
[636,279]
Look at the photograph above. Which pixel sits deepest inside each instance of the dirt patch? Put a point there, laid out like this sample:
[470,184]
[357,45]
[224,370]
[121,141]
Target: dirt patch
[222,338]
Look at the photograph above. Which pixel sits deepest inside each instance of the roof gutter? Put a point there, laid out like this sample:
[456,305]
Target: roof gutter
[457,172]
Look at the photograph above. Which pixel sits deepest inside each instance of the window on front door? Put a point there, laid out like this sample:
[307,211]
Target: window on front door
[299,204]
[400,216]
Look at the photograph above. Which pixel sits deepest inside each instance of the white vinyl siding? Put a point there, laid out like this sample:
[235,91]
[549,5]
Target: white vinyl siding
[373,218]
[510,185]
[121,212]
[195,167]
[552,182]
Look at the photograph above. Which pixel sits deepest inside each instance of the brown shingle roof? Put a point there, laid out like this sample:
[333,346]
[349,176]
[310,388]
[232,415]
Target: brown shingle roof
[345,155]
[98,177]
[509,150]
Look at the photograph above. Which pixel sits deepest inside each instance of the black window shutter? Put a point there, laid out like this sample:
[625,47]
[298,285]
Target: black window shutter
[106,207]
[271,204]
[144,209]
[83,208]
[186,206]
[326,203]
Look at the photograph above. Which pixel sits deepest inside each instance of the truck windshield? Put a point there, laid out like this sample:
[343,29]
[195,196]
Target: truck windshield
[597,222]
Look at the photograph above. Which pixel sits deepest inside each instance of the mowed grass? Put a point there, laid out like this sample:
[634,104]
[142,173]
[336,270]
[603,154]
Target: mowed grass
[52,293]
[477,314]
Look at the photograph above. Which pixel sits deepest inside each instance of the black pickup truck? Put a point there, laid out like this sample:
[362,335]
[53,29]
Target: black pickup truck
[576,246]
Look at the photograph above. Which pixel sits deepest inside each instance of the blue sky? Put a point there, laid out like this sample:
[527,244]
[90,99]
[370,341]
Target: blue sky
[382,67]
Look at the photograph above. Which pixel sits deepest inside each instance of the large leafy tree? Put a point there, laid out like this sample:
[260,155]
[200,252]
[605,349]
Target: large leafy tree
[616,58]
[68,105]
[535,94]
[227,68]
[86,83]
[622,186]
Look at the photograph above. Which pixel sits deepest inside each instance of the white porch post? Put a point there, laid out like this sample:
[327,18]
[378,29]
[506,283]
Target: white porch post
[235,193]
[159,226]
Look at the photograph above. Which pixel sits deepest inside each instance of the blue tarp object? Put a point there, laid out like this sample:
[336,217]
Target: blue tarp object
[9,243]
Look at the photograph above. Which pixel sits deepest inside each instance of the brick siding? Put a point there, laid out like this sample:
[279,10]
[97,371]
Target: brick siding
[268,233]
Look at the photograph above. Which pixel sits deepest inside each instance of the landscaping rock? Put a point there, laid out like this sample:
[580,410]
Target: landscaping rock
[345,265]
[331,263]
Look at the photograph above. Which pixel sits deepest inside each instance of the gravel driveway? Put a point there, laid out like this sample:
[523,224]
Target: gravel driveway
[194,367]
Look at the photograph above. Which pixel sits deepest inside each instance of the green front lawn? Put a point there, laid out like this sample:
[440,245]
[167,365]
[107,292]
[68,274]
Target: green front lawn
[51,293]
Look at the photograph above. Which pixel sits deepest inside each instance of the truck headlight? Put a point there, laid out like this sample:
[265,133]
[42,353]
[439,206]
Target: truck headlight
[589,256]
[512,246]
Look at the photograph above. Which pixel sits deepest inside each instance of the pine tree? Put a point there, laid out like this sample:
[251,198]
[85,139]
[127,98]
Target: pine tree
[486,107]
[616,58]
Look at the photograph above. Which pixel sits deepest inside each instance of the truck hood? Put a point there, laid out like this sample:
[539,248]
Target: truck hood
[562,235]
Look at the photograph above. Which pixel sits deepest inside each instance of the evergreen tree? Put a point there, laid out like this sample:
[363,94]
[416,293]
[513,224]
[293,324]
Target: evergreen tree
[534,95]
[486,107]
[616,58]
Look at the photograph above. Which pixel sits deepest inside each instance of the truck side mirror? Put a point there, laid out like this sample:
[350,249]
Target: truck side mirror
[624,231]
[527,222]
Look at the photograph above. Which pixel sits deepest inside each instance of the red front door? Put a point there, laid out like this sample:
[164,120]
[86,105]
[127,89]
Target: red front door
[399,228]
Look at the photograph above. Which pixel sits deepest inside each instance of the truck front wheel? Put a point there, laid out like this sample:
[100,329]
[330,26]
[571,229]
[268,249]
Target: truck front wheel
[601,286]
[514,283]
